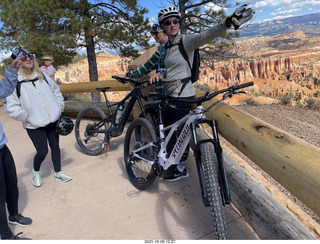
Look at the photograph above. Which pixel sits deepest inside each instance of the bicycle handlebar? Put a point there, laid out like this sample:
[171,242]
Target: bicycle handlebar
[127,80]
[228,93]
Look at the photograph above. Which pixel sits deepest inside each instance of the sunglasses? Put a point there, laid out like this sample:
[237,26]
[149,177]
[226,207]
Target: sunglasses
[25,58]
[168,22]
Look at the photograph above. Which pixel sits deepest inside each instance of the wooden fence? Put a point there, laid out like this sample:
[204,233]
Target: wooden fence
[294,163]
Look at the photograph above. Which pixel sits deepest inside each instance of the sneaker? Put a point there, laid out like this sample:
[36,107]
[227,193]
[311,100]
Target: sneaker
[177,175]
[16,237]
[36,180]
[20,220]
[60,176]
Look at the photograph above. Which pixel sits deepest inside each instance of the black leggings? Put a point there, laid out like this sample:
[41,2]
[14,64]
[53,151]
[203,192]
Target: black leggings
[39,138]
[171,116]
[9,192]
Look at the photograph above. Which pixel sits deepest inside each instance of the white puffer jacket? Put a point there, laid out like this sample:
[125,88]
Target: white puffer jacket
[42,102]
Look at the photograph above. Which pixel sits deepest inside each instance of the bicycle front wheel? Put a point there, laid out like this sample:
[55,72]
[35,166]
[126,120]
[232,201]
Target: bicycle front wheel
[91,130]
[139,133]
[153,118]
[209,162]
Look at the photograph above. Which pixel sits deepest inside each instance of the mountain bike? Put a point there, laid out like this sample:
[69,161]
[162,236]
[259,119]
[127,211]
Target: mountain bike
[94,129]
[147,157]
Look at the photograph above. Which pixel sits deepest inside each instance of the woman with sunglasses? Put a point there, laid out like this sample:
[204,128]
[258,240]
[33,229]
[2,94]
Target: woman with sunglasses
[38,107]
[176,75]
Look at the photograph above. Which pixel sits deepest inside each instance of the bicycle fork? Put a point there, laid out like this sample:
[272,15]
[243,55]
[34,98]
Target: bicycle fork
[225,192]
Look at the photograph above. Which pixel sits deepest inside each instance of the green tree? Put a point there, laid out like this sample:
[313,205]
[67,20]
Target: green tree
[61,27]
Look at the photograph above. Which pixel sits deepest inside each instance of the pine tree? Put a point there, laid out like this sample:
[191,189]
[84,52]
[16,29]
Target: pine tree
[61,27]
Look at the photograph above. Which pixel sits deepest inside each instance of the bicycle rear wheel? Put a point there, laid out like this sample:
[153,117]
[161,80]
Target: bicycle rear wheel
[139,133]
[209,163]
[90,130]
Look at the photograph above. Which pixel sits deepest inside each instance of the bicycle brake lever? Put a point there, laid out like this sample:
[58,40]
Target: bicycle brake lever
[226,95]
[238,92]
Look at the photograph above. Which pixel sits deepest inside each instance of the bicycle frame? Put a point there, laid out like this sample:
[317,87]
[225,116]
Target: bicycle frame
[190,121]
[163,160]
[134,95]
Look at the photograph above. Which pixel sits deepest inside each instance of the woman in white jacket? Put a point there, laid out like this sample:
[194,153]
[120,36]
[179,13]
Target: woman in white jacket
[38,103]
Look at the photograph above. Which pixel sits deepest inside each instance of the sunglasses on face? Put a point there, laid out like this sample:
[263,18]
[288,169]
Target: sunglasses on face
[26,58]
[168,22]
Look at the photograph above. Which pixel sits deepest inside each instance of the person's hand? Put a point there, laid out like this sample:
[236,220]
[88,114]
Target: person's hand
[154,78]
[61,107]
[17,63]
[240,16]
[27,119]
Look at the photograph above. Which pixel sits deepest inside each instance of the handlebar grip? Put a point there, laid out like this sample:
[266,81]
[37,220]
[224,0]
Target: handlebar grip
[243,85]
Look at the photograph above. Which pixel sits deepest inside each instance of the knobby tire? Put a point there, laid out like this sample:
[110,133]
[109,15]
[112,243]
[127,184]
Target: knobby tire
[140,132]
[209,162]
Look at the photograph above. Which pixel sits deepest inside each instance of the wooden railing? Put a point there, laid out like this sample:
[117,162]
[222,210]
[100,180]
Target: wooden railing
[294,163]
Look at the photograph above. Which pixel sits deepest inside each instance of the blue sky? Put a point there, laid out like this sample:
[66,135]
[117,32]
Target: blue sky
[265,9]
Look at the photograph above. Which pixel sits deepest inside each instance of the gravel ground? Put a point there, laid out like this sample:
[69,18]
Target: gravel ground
[300,122]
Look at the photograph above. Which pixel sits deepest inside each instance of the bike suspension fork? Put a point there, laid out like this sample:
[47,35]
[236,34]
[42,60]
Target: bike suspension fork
[222,169]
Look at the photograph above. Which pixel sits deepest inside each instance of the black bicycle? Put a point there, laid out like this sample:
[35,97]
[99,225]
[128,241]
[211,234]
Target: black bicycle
[94,129]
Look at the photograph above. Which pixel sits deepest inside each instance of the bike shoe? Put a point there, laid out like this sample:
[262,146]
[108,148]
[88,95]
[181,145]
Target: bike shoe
[177,175]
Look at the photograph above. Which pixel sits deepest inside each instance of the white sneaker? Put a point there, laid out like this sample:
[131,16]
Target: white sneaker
[60,176]
[36,180]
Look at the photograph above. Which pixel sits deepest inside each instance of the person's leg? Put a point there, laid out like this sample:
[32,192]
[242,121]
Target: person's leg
[12,191]
[53,139]
[171,116]
[39,140]
[10,175]
[5,231]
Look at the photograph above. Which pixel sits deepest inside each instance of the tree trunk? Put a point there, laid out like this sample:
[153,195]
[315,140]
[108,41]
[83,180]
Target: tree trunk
[92,62]
[182,9]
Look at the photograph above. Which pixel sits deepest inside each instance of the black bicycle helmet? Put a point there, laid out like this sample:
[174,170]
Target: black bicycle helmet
[64,126]
[166,12]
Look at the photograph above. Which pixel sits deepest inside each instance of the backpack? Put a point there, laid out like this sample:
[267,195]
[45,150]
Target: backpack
[18,87]
[195,69]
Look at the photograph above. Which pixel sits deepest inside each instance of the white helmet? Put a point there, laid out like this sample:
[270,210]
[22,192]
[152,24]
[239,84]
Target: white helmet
[166,12]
